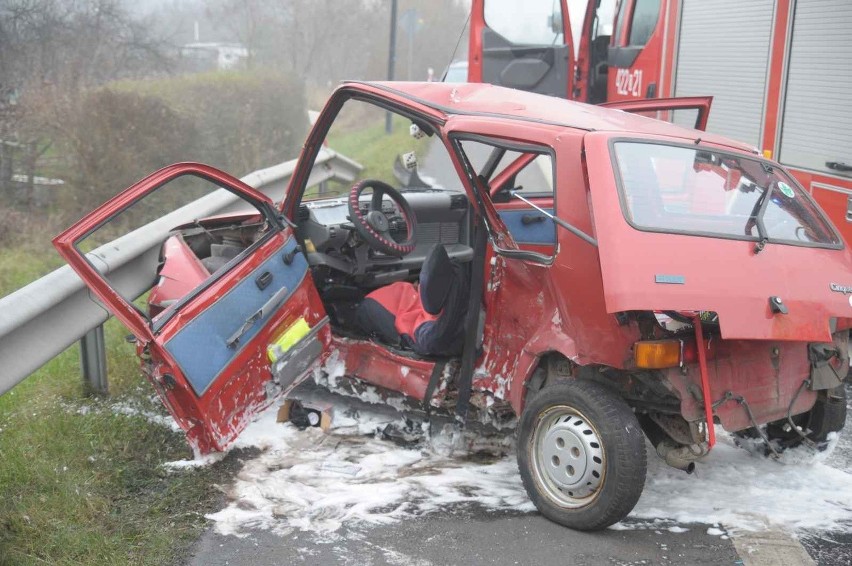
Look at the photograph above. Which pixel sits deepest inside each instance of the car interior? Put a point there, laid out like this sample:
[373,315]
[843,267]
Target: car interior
[367,259]
[390,253]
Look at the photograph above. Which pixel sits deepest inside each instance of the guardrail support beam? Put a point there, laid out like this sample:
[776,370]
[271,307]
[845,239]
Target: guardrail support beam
[93,361]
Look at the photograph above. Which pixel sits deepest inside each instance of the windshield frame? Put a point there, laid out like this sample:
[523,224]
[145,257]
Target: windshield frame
[299,182]
[779,169]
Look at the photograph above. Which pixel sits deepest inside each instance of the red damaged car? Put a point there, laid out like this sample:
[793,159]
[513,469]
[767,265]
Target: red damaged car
[590,276]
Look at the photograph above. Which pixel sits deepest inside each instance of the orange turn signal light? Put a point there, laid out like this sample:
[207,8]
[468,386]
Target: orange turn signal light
[658,354]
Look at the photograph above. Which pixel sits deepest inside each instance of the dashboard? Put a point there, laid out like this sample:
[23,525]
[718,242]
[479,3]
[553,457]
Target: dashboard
[442,217]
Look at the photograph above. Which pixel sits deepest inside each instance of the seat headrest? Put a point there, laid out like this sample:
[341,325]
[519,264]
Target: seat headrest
[436,279]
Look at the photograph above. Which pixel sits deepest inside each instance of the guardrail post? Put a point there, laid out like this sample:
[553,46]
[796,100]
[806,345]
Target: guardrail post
[93,361]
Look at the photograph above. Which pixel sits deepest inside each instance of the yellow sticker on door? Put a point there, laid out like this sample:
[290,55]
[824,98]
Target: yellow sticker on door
[295,332]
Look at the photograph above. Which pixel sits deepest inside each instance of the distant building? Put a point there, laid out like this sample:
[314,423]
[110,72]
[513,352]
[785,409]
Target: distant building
[198,57]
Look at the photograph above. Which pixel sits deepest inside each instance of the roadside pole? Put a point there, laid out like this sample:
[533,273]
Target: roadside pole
[391,60]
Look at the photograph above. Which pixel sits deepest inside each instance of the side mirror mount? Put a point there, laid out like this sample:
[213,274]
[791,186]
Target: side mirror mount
[555,21]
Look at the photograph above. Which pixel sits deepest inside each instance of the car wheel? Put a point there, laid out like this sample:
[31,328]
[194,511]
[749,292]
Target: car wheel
[581,454]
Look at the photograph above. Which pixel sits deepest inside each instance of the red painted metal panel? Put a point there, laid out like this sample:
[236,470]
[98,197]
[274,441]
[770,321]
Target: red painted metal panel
[776,78]
[657,106]
[213,419]
[377,365]
[766,374]
[724,276]
[474,48]
[632,82]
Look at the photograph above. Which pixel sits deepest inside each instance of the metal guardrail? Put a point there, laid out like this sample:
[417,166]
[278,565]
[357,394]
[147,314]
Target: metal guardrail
[41,320]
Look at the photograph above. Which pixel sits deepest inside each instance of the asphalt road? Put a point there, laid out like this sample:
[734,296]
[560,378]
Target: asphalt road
[471,536]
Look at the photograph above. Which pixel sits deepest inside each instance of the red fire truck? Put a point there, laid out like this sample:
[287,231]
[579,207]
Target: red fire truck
[779,71]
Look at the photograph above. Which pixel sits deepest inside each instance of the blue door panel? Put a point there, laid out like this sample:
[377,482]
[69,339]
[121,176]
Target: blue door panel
[535,232]
[200,348]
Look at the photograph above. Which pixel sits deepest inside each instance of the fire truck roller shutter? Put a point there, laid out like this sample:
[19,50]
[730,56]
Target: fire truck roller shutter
[723,51]
[817,115]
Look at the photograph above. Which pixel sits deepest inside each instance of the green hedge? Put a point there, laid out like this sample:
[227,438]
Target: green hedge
[238,122]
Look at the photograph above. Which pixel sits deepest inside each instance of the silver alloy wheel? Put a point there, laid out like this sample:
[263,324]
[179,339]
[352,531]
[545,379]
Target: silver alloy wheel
[568,457]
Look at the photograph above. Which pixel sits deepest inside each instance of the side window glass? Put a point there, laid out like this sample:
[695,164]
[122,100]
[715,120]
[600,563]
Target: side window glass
[535,179]
[534,22]
[403,158]
[603,19]
[645,14]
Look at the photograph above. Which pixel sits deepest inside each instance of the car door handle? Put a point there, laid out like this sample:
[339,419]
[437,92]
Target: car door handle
[273,303]
[528,219]
[839,166]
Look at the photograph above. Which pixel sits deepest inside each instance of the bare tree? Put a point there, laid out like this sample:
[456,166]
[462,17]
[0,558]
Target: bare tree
[75,43]
[50,52]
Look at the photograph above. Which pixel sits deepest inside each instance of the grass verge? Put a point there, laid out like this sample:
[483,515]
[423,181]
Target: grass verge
[81,478]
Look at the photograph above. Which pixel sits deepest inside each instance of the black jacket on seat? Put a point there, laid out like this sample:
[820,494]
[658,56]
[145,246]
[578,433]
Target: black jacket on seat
[428,319]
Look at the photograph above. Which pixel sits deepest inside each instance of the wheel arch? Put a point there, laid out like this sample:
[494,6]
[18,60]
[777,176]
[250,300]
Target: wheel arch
[544,368]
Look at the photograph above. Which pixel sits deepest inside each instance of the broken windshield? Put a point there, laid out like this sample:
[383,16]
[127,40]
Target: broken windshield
[669,188]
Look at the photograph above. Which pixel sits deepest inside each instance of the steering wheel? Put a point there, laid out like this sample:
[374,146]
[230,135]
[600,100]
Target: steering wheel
[374,226]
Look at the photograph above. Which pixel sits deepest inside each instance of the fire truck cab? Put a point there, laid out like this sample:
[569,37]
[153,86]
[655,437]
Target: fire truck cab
[778,71]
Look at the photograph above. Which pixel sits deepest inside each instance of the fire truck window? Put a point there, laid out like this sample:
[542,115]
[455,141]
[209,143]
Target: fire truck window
[619,25]
[535,22]
[645,14]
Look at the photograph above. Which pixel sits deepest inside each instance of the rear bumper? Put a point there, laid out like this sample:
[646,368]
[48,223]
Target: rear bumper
[767,375]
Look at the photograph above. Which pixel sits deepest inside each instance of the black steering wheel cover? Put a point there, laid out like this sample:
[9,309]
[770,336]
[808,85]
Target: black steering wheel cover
[374,238]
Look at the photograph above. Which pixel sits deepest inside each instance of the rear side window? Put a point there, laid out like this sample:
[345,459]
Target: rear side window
[535,179]
[645,15]
[668,188]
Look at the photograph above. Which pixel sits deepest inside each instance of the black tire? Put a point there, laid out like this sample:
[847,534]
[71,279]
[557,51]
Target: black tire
[827,415]
[571,408]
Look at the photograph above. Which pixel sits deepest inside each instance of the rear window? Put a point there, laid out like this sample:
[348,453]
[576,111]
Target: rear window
[669,188]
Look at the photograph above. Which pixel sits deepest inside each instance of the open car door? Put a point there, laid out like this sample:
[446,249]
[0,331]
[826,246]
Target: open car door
[689,111]
[522,45]
[238,330]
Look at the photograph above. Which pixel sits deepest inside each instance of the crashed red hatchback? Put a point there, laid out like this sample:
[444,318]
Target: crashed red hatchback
[590,276]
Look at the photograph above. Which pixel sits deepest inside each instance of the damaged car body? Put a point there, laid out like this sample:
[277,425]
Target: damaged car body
[589,276]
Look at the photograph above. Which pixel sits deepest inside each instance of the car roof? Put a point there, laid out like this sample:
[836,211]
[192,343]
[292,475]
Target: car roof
[484,99]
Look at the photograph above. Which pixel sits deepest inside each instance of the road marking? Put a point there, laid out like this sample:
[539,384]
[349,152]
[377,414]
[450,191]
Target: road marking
[770,548]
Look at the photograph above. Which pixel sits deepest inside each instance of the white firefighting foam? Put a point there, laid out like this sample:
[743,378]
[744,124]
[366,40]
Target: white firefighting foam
[319,482]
